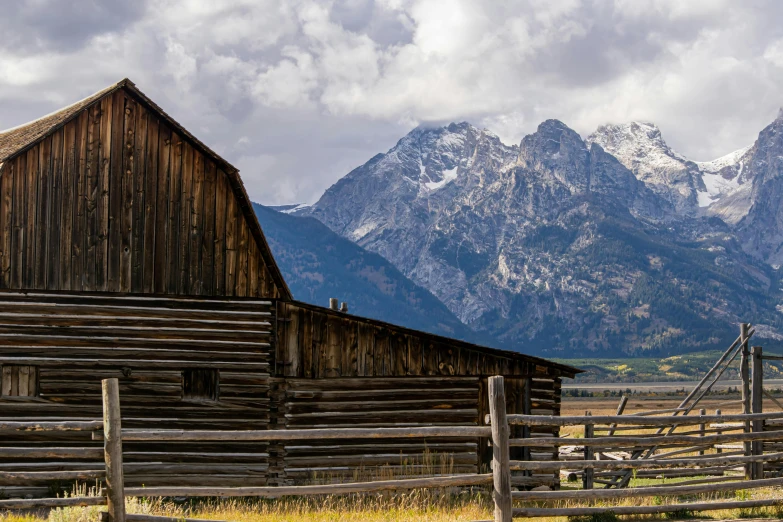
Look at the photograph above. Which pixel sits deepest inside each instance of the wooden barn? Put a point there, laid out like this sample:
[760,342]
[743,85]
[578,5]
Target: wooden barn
[130,249]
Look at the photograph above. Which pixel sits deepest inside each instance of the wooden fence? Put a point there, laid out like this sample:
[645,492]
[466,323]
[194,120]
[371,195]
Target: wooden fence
[711,447]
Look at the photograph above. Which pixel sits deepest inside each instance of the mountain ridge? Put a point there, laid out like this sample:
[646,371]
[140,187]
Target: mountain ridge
[319,264]
[556,239]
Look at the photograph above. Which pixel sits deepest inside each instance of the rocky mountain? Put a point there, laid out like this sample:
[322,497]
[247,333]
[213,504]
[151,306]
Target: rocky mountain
[613,245]
[318,264]
[712,188]
[640,147]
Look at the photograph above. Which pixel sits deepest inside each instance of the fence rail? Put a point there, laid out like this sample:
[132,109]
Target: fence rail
[608,453]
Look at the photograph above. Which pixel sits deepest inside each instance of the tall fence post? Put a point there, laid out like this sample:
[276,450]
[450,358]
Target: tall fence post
[757,405]
[718,450]
[702,427]
[501,470]
[112,450]
[587,474]
[745,376]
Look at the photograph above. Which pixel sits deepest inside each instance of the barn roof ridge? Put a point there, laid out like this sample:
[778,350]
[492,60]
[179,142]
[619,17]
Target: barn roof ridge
[17,139]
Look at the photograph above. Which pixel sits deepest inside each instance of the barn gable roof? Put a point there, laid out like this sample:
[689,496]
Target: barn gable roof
[18,139]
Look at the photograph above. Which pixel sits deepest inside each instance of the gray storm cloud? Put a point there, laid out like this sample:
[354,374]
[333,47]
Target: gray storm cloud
[297,93]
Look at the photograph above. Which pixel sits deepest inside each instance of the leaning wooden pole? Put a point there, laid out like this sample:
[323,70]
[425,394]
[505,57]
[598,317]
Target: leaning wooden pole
[501,469]
[112,450]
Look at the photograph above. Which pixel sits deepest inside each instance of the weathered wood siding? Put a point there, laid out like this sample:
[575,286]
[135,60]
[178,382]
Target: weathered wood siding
[146,342]
[319,343]
[379,402]
[317,346]
[117,200]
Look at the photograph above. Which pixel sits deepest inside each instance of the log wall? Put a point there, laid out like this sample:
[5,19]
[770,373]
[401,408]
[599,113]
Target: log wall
[75,341]
[351,372]
[379,402]
[324,345]
[117,200]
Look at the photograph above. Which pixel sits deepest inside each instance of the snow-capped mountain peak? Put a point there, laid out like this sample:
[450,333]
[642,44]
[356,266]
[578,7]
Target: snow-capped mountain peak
[641,148]
[560,242]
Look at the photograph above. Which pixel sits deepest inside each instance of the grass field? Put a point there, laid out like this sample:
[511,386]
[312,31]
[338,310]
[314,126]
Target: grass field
[685,367]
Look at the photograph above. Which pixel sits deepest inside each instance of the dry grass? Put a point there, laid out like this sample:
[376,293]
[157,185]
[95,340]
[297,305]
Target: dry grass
[425,506]
[416,506]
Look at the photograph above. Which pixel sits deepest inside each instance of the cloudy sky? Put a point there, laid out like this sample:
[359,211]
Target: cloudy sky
[297,93]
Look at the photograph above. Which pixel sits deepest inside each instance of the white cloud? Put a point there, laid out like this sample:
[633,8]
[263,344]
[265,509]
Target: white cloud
[297,92]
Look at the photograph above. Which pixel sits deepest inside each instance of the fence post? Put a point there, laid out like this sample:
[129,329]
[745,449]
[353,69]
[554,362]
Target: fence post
[718,450]
[745,376]
[112,450]
[501,470]
[757,407]
[702,427]
[587,474]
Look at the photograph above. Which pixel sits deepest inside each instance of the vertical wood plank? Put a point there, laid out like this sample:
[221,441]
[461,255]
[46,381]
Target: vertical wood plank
[31,197]
[231,243]
[208,225]
[243,234]
[32,384]
[6,222]
[128,177]
[350,337]
[414,355]
[319,342]
[78,240]
[115,191]
[252,269]
[68,204]
[292,343]
[162,209]
[263,280]
[139,216]
[54,221]
[18,217]
[196,234]
[333,359]
[93,167]
[14,381]
[175,194]
[399,353]
[102,201]
[429,357]
[6,381]
[151,185]
[220,234]
[24,381]
[186,206]
[306,326]
[43,178]
[380,363]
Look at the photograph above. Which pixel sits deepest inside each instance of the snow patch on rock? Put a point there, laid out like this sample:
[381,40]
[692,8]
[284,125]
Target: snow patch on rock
[448,176]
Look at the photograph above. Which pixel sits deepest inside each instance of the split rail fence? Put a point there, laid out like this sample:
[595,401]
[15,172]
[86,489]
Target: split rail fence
[611,454]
